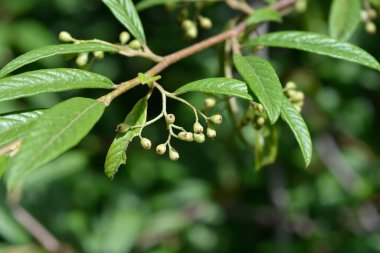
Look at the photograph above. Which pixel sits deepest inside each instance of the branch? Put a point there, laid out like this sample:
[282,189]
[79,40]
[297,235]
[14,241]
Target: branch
[186,52]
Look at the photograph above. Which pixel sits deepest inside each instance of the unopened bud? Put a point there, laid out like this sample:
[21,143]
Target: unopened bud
[146,143]
[122,128]
[200,138]
[297,97]
[301,6]
[216,119]
[209,102]
[191,33]
[82,59]
[298,106]
[124,37]
[161,149]
[170,119]
[173,154]
[370,27]
[187,24]
[198,128]
[189,137]
[211,133]
[99,54]
[372,13]
[182,136]
[261,121]
[65,37]
[135,44]
[260,108]
[290,85]
[364,16]
[204,22]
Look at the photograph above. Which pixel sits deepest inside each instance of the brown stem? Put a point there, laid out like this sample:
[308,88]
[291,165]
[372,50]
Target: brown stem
[186,52]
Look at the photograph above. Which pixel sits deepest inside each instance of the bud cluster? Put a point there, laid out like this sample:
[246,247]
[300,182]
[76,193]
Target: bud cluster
[190,27]
[296,97]
[367,16]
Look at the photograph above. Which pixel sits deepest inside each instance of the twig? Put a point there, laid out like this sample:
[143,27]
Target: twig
[186,52]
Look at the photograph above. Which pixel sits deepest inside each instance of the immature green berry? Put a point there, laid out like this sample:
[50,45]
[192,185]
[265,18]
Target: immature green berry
[211,133]
[124,37]
[122,128]
[200,138]
[99,55]
[216,119]
[205,22]
[161,149]
[182,136]
[135,44]
[370,27]
[173,154]
[82,59]
[65,37]
[209,102]
[170,119]
[146,143]
[189,137]
[198,128]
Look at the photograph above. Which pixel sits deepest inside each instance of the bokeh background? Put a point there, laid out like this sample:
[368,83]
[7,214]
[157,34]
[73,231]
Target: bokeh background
[212,199]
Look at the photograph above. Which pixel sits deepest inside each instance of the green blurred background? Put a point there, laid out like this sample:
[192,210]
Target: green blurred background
[211,200]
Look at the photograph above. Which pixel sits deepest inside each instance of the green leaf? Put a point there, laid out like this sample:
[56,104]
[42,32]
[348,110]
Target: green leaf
[296,123]
[266,146]
[14,126]
[263,81]
[319,44]
[375,3]
[4,160]
[116,155]
[263,15]
[145,4]
[144,79]
[344,18]
[59,129]
[50,80]
[44,52]
[219,85]
[125,12]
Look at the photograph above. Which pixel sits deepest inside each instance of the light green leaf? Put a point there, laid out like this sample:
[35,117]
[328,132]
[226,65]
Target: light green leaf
[344,18]
[263,15]
[319,44]
[144,79]
[263,81]
[296,123]
[4,160]
[48,51]
[116,155]
[57,130]
[219,85]
[50,80]
[145,4]
[125,12]
[14,126]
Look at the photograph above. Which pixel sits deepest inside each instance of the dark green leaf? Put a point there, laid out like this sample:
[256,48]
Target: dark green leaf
[116,155]
[4,160]
[319,44]
[50,80]
[57,130]
[344,18]
[14,126]
[296,123]
[263,15]
[125,12]
[145,4]
[219,85]
[48,51]
[263,81]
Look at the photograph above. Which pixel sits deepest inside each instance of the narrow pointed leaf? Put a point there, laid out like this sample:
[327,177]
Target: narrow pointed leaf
[344,18]
[116,155]
[125,12]
[263,82]
[4,160]
[263,15]
[319,44]
[50,80]
[14,126]
[219,86]
[296,123]
[48,51]
[57,130]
